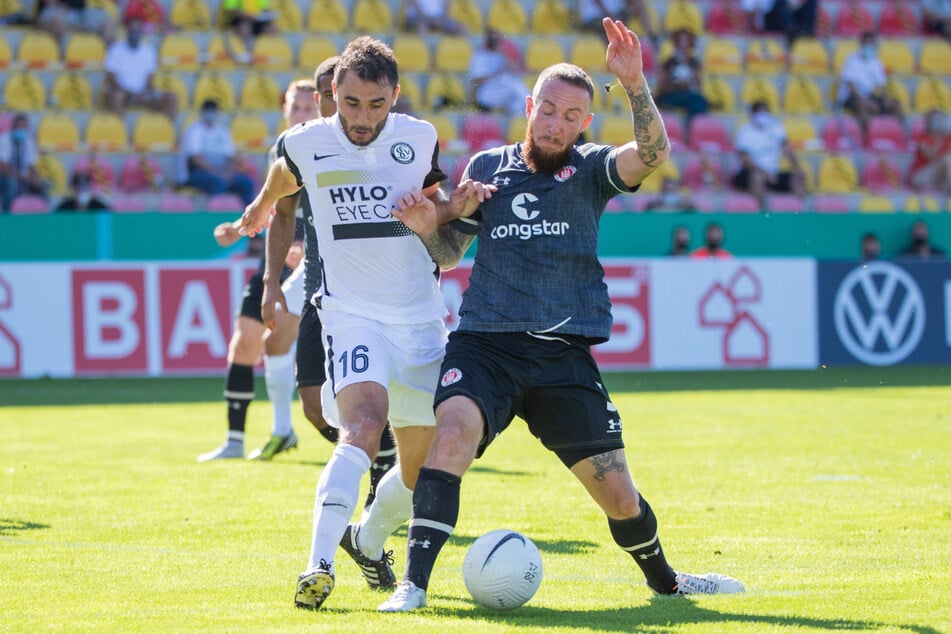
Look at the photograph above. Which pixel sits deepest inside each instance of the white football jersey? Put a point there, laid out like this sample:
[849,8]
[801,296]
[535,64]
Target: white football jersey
[373,265]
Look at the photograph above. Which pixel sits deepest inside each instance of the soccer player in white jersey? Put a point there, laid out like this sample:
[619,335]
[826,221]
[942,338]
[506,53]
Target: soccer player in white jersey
[363,170]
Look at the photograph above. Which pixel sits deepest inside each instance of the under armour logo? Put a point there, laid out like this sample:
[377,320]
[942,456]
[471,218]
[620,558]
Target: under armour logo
[423,543]
[614,426]
[501,181]
[653,553]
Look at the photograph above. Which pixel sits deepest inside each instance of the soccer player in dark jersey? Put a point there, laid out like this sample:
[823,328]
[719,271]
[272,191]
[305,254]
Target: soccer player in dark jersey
[536,302]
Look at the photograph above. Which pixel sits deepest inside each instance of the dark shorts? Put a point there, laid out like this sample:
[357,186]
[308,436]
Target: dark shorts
[310,349]
[554,386]
[783,181]
[251,298]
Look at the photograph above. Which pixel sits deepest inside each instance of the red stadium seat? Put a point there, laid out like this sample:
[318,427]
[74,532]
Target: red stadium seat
[853,19]
[738,203]
[101,174]
[129,203]
[841,133]
[785,203]
[224,202]
[832,204]
[675,130]
[481,131]
[703,171]
[725,18]
[886,133]
[140,173]
[29,204]
[898,19]
[173,202]
[708,133]
[881,174]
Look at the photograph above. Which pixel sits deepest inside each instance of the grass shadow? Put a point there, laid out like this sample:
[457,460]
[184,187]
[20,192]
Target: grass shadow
[9,526]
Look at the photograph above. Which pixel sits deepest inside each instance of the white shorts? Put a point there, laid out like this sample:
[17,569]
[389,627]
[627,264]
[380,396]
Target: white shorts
[403,358]
[293,288]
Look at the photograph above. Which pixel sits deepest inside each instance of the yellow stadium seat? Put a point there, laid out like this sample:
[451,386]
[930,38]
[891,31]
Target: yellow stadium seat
[841,50]
[683,15]
[444,90]
[153,132]
[412,53]
[410,92]
[272,52]
[897,89]
[52,171]
[452,54]
[918,204]
[896,56]
[869,204]
[260,91]
[190,15]
[224,50]
[467,13]
[71,91]
[6,55]
[250,133]
[808,56]
[57,133]
[803,96]
[38,50]
[635,25]
[765,55]
[721,55]
[84,51]
[551,17]
[668,170]
[802,134]
[515,132]
[615,101]
[588,52]
[446,130]
[313,50]
[288,16]
[24,91]
[719,93]
[180,52]
[327,16]
[542,52]
[932,93]
[372,16]
[935,57]
[508,17]
[105,132]
[109,6]
[170,81]
[214,86]
[615,130]
[837,175]
[760,89]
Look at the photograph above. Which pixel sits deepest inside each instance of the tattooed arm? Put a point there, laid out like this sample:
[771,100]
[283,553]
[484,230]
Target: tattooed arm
[423,211]
[447,246]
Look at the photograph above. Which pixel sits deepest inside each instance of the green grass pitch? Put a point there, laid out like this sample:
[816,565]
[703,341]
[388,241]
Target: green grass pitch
[828,493]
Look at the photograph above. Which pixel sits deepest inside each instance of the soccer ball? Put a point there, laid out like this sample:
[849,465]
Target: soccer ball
[502,570]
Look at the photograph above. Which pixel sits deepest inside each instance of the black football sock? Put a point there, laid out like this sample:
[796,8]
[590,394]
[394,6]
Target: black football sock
[330,433]
[638,536]
[239,392]
[435,511]
[384,461]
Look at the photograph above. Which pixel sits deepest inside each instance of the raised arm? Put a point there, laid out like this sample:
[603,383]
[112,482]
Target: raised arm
[280,182]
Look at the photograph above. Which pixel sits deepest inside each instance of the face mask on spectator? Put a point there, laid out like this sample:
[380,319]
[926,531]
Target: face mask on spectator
[868,51]
[210,117]
[761,119]
[83,196]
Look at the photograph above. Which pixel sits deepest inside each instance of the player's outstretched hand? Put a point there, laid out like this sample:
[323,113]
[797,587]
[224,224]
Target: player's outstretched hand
[417,212]
[623,57]
[226,234]
[466,198]
[255,219]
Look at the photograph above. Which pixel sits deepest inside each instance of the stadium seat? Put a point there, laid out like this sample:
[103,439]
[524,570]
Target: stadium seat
[853,19]
[84,51]
[109,6]
[719,93]
[57,132]
[272,52]
[445,130]
[467,13]
[140,173]
[452,54]
[410,92]
[215,86]
[52,171]
[721,56]
[708,133]
[615,129]
[898,19]
[507,17]
[481,131]
[932,93]
[740,203]
[918,204]
[260,91]
[683,15]
[516,130]
[840,51]
[801,134]
[71,91]
[38,50]
[313,50]
[935,57]
[551,17]
[668,170]
[634,23]
[412,53]
[173,202]
[101,174]
[896,56]
[725,18]
[105,132]
[250,133]
[289,18]
[179,52]
[224,49]
[24,91]
[832,203]
[881,174]
[808,56]
[190,15]
[675,131]
[760,89]
[445,90]
[170,81]
[124,203]
[30,204]
[6,54]
[876,204]
[841,132]
[587,51]
[327,16]
[785,203]
[803,96]
[224,202]
[153,132]
[886,133]
[766,55]
[372,16]
[897,89]
[837,175]
[703,171]
[541,52]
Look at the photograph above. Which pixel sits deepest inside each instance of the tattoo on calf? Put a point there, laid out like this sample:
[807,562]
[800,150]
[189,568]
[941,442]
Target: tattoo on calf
[605,463]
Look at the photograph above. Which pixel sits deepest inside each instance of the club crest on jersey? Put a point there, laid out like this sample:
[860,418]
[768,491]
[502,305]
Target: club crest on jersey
[402,153]
[565,173]
[452,375]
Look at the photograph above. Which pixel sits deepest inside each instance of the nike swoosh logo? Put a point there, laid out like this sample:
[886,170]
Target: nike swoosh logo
[318,157]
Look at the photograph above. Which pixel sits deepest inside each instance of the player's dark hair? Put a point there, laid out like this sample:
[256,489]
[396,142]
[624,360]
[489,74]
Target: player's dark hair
[568,73]
[371,60]
[326,67]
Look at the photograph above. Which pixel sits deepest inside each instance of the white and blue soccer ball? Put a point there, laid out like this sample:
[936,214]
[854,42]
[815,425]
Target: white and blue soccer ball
[502,570]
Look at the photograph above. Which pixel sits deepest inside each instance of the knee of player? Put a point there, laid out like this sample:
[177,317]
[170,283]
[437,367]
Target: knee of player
[462,433]
[623,504]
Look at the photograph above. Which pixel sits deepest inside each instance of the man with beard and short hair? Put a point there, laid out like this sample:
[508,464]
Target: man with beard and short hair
[536,302]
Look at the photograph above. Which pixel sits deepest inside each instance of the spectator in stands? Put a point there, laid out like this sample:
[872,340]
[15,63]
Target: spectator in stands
[712,244]
[249,18]
[761,144]
[921,247]
[871,247]
[670,199]
[793,18]
[208,160]
[18,160]
[931,167]
[680,241]
[430,16]
[591,12]
[129,67]
[496,78]
[149,12]
[680,77]
[862,83]
[59,16]
[82,197]
[937,16]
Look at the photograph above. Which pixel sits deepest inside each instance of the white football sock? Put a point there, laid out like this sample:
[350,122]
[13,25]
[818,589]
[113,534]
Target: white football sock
[337,492]
[279,378]
[392,506]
